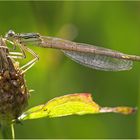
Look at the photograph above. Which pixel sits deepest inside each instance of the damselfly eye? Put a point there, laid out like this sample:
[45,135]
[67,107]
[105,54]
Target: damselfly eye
[10,33]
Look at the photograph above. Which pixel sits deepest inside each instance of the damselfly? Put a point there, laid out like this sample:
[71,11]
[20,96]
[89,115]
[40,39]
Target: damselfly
[88,55]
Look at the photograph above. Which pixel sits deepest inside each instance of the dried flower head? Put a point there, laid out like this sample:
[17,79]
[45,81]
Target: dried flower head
[13,90]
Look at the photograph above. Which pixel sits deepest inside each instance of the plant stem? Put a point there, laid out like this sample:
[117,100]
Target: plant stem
[7,131]
[13,131]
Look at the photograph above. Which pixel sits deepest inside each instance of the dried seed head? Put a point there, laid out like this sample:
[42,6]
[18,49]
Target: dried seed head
[13,91]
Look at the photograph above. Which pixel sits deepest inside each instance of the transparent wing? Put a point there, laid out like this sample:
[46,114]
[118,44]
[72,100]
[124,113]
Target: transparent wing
[99,62]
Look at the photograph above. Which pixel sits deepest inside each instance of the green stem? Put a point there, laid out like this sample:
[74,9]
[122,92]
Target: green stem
[7,131]
[13,131]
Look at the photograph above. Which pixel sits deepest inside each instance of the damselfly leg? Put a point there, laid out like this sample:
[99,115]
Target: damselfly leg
[28,65]
[22,55]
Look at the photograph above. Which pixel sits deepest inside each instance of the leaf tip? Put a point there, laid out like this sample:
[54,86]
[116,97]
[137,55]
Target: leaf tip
[126,110]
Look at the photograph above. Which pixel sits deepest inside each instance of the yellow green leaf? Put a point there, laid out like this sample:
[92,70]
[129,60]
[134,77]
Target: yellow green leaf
[71,104]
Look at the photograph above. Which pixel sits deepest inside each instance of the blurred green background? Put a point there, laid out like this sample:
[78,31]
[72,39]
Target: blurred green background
[114,25]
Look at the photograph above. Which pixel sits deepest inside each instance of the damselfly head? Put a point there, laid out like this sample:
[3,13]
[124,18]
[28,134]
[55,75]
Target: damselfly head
[10,34]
